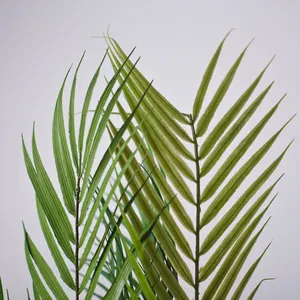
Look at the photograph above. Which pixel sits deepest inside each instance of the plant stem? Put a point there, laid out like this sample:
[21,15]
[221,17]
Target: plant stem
[77,238]
[198,209]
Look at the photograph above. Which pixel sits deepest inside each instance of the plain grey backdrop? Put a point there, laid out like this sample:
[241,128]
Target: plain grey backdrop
[176,39]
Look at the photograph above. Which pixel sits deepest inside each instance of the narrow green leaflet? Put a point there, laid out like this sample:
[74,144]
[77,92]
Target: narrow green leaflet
[238,292]
[44,269]
[85,109]
[64,166]
[253,293]
[230,115]
[53,209]
[117,287]
[55,252]
[28,295]
[208,114]
[206,80]
[134,295]
[39,287]
[46,182]
[118,256]
[93,263]
[138,242]
[72,133]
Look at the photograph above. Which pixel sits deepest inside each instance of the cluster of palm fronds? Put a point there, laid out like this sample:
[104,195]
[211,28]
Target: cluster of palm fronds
[118,228]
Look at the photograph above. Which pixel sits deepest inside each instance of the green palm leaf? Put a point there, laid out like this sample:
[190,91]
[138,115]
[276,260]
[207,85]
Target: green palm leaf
[116,226]
[170,152]
[55,214]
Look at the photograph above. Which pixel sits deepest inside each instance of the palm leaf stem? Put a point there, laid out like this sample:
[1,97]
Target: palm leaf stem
[198,208]
[77,238]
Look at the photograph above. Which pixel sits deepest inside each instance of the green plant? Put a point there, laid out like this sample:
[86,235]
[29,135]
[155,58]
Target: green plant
[83,190]
[168,133]
[117,230]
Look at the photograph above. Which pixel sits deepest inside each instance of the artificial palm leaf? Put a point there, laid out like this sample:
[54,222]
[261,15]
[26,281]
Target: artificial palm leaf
[67,217]
[116,228]
[179,140]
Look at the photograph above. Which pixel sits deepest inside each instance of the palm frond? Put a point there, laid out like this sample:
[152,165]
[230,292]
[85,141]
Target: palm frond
[74,159]
[170,135]
[116,227]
